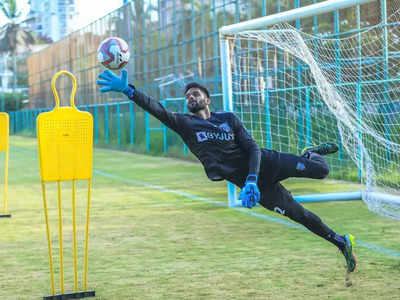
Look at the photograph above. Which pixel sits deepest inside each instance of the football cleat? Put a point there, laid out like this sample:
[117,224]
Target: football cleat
[321,149]
[347,251]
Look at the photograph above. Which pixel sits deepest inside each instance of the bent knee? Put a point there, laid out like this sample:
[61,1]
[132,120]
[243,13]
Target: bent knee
[324,172]
[319,167]
[317,171]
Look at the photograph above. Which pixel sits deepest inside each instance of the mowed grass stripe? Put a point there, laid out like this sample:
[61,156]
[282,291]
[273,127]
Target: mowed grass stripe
[149,244]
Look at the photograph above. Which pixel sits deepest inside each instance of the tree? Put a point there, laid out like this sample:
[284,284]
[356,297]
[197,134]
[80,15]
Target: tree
[12,34]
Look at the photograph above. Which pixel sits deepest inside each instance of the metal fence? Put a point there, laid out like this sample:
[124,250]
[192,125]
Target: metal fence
[172,42]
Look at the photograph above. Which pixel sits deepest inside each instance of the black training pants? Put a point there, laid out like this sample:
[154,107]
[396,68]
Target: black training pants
[276,198]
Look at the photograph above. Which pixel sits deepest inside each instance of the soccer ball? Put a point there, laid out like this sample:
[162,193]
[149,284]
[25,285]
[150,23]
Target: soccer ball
[113,53]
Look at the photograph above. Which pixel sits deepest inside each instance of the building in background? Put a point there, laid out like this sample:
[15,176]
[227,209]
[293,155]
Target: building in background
[52,19]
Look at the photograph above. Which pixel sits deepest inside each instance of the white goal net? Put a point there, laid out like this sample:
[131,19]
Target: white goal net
[293,90]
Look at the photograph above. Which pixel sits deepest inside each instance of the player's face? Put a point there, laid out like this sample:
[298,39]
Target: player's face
[196,100]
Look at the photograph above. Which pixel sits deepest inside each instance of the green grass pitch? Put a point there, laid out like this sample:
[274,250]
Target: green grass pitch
[150,243]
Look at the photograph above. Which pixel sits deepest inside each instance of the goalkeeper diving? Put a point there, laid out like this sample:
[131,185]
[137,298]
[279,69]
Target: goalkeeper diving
[228,152]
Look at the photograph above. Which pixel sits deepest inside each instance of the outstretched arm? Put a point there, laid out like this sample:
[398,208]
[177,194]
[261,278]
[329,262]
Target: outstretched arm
[112,82]
[245,140]
[250,194]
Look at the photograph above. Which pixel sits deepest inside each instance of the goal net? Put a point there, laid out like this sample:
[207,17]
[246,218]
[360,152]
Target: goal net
[293,90]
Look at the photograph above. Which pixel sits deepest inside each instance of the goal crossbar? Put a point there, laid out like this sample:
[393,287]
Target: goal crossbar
[260,23]
[291,15]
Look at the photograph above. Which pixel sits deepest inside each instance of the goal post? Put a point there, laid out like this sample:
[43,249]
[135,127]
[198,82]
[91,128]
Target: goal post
[291,90]
[226,33]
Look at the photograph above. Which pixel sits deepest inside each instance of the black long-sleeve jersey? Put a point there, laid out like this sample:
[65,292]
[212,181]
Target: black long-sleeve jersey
[221,143]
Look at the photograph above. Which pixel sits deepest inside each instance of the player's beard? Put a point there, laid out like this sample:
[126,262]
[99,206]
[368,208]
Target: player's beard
[196,106]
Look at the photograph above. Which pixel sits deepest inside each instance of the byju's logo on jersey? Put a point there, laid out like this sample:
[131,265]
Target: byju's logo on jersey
[207,135]
[201,136]
[225,127]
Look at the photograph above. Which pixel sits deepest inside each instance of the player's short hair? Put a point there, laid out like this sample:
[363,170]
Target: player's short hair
[197,85]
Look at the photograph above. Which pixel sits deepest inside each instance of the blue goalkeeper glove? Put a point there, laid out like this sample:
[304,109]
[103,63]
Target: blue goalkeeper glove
[250,194]
[112,82]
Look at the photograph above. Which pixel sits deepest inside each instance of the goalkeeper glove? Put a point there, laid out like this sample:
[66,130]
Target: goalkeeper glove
[112,82]
[250,195]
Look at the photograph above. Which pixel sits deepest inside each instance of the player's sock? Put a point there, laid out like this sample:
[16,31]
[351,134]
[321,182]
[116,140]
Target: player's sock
[337,239]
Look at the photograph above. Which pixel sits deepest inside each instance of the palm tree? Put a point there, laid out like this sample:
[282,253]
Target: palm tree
[12,35]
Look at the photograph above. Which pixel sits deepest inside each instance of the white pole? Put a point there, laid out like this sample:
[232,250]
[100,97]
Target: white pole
[226,75]
[228,103]
[293,14]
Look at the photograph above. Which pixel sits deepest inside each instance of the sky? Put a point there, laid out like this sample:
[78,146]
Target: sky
[89,10]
